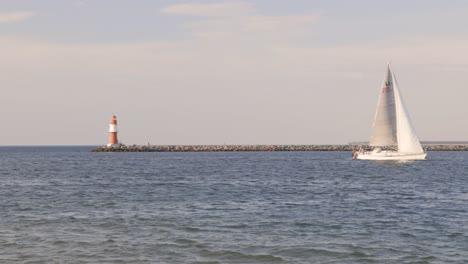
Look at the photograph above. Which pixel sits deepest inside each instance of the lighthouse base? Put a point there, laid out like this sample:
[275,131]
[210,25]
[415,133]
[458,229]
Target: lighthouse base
[113,145]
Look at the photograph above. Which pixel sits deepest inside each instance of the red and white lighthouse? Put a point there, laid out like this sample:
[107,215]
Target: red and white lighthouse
[113,132]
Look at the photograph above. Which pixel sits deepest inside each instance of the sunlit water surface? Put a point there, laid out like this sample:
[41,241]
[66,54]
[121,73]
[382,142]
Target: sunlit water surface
[68,205]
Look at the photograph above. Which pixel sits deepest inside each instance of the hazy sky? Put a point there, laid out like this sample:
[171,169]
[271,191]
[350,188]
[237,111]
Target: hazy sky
[234,72]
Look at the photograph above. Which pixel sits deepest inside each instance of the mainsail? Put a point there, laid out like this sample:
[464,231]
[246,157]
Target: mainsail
[384,132]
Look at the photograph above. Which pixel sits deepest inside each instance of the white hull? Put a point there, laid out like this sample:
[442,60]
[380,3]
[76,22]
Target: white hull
[391,155]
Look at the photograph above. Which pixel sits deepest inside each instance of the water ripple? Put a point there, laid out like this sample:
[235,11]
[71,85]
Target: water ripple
[67,205]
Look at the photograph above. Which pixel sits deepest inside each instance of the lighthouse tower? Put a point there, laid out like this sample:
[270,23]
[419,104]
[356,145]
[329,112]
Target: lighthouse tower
[113,132]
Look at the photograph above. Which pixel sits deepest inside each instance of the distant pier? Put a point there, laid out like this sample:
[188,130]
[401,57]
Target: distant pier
[241,148]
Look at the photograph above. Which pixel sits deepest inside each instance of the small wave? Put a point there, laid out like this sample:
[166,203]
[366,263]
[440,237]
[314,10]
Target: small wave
[192,229]
[405,234]
[305,253]
[24,208]
[428,258]
[185,241]
[224,209]
[452,235]
[238,226]
[237,256]
[59,242]
[295,204]
[173,246]
[304,224]
[8,244]
[357,254]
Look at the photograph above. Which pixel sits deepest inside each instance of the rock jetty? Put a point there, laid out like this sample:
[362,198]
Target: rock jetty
[231,148]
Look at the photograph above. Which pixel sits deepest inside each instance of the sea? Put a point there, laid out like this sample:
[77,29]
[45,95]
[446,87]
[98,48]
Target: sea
[70,205]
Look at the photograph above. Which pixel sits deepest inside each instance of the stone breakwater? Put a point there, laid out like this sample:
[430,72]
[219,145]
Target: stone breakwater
[230,148]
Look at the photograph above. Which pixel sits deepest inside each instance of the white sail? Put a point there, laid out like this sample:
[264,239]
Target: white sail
[384,132]
[408,142]
[392,126]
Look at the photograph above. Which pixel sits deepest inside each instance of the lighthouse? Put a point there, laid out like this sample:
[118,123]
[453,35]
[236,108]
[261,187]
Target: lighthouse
[113,132]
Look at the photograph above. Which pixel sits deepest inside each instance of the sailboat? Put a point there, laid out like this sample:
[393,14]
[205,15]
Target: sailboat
[392,126]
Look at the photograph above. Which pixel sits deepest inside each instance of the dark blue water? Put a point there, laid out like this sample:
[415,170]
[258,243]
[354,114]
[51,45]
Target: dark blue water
[68,205]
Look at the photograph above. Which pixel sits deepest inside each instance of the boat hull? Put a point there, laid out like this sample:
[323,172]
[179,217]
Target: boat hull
[391,155]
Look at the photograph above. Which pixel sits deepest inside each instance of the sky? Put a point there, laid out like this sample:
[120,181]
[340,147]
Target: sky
[227,72]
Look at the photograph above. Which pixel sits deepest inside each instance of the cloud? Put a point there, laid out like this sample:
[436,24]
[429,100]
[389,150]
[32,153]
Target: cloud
[239,63]
[209,10]
[13,17]
[240,23]
[284,86]
[269,23]
[79,3]
[253,23]
[417,51]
